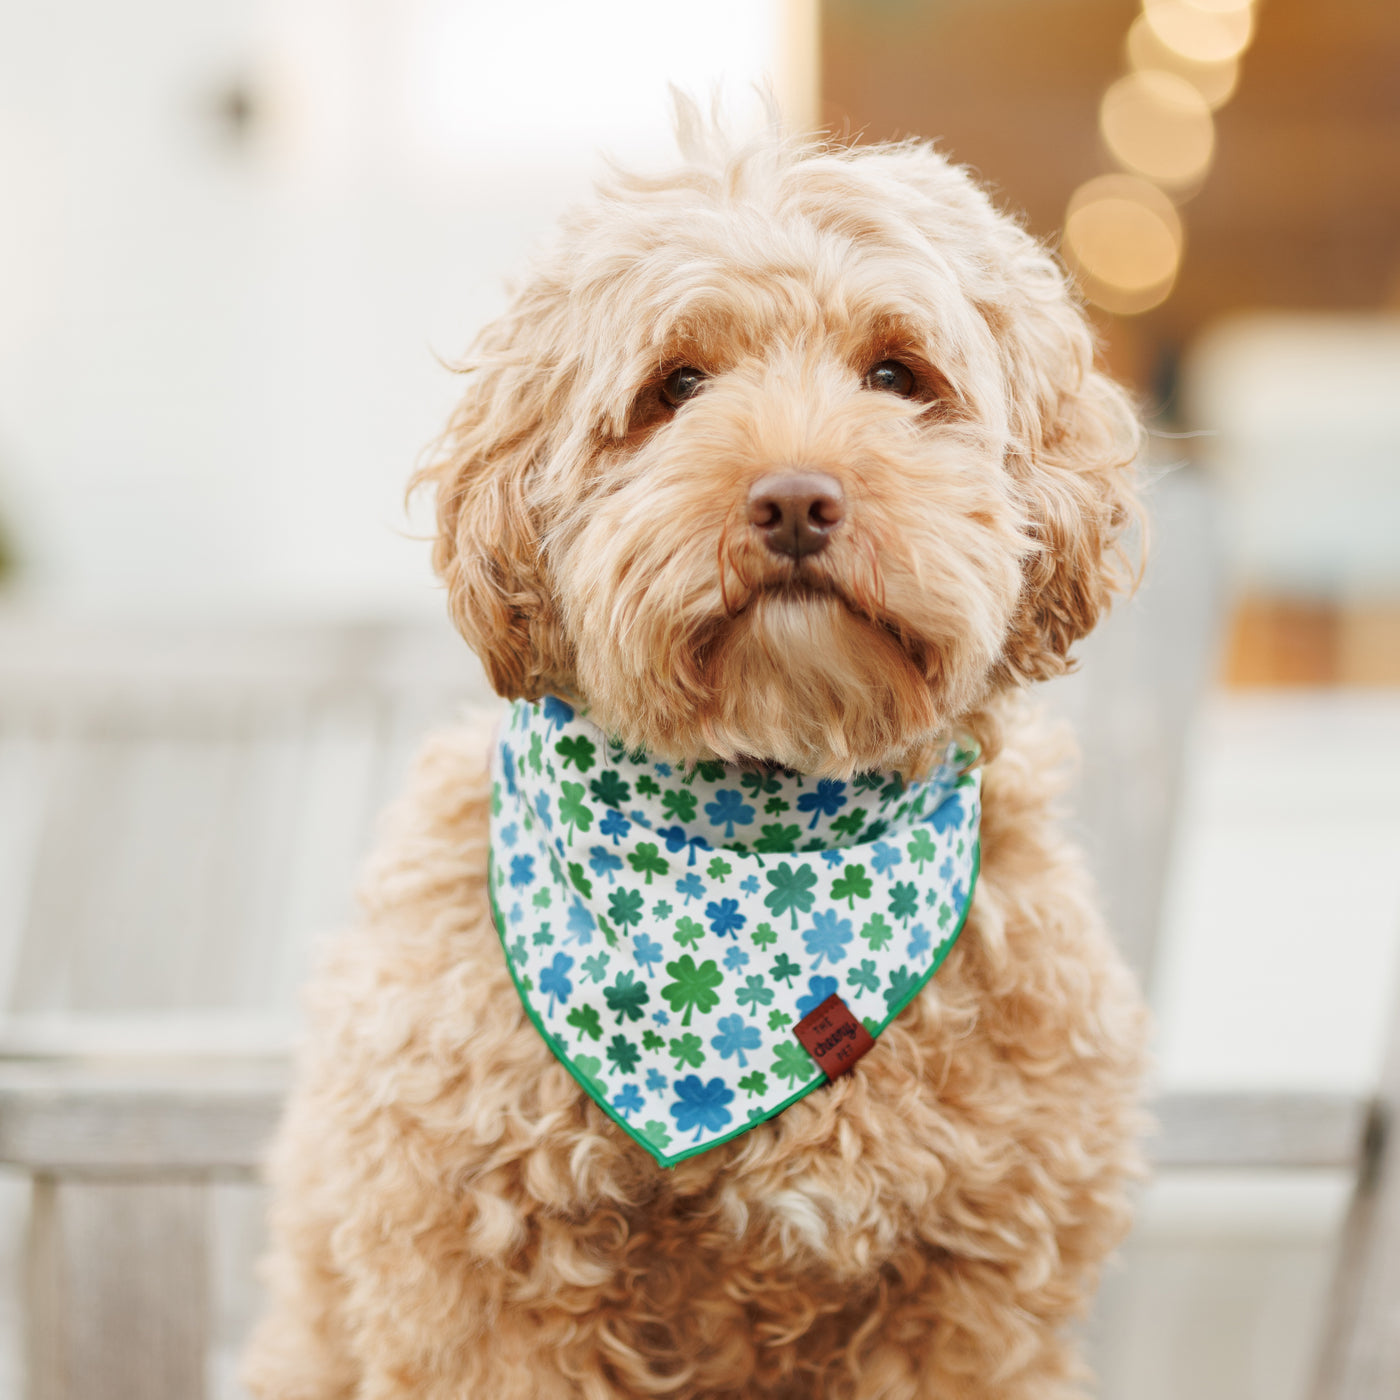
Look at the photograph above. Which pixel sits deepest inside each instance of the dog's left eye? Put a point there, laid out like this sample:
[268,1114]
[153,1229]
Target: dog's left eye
[891,377]
[682,384]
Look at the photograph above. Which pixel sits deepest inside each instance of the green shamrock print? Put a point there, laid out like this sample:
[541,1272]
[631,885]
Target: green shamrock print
[777,839]
[688,1050]
[647,861]
[679,804]
[625,906]
[694,987]
[688,932]
[792,1062]
[853,885]
[627,996]
[585,1020]
[573,812]
[792,890]
[921,849]
[784,969]
[877,932]
[578,751]
[609,789]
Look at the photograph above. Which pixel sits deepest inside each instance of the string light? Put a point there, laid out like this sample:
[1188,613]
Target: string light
[1156,124]
[1201,35]
[1124,238]
[1216,82]
[1122,234]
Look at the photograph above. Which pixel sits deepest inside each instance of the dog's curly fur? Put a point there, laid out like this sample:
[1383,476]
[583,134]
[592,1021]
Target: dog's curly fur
[453,1216]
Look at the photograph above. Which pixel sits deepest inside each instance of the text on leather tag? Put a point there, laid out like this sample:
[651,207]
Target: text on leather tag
[833,1036]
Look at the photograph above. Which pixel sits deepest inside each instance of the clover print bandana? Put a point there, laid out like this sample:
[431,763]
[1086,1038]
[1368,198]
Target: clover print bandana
[666,929]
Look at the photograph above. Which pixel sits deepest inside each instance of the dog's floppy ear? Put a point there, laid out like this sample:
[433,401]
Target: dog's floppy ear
[488,549]
[1074,442]
[1073,434]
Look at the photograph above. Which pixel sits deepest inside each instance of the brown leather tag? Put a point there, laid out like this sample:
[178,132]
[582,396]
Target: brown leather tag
[833,1036]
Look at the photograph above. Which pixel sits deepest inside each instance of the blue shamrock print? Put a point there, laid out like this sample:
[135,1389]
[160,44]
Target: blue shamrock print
[615,825]
[601,861]
[919,940]
[508,768]
[818,989]
[656,1081]
[580,923]
[828,799]
[728,808]
[554,980]
[736,959]
[735,1038]
[948,815]
[556,713]
[834,857]
[884,858]
[749,884]
[828,936]
[522,871]
[510,834]
[677,840]
[647,952]
[628,1101]
[663,770]
[542,810]
[724,917]
[661,1018]
[701,1105]
[691,888]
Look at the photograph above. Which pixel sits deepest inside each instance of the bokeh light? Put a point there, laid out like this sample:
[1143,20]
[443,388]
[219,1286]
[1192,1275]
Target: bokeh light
[1124,239]
[1157,124]
[1216,82]
[1201,35]
[1219,7]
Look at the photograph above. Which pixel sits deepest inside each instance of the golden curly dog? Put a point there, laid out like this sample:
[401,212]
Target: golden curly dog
[454,1219]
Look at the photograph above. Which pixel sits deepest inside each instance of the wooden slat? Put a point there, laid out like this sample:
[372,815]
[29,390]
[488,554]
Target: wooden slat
[1360,1354]
[62,1118]
[118,1298]
[1297,1131]
[139,1119]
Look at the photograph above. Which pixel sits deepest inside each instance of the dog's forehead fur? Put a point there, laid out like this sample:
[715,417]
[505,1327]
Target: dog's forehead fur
[861,253]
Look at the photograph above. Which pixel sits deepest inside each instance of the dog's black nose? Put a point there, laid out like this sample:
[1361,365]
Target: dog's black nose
[796,512]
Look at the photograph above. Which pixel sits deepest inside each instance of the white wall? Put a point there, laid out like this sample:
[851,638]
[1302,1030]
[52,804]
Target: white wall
[217,360]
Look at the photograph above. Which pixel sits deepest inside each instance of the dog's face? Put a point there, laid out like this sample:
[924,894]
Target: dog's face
[789,456]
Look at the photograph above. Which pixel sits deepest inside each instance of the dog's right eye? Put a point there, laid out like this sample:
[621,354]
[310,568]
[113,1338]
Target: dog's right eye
[681,384]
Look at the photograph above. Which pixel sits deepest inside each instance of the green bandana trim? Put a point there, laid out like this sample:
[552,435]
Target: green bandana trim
[666,929]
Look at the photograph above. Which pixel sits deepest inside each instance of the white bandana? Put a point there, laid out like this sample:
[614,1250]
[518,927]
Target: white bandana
[667,931]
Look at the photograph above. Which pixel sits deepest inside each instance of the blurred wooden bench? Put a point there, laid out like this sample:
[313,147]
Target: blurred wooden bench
[123,1152]
[182,813]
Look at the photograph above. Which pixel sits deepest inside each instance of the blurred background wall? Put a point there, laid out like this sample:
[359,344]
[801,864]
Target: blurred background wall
[238,239]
